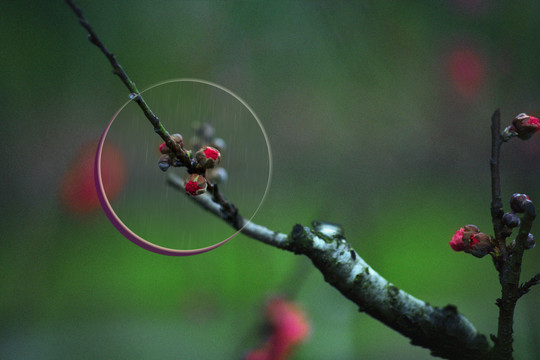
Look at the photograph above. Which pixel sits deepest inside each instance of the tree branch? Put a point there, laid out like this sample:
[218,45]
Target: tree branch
[523,289]
[159,128]
[442,330]
[445,332]
[511,291]
[496,201]
[508,265]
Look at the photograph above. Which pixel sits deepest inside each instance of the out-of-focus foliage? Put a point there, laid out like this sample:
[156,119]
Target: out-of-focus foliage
[378,116]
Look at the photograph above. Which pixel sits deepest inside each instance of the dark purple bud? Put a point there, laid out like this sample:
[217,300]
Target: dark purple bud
[511,220]
[164,162]
[518,202]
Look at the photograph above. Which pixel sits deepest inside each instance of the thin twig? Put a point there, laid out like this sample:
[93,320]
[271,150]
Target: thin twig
[496,201]
[159,128]
[523,289]
[444,331]
[511,291]
[119,71]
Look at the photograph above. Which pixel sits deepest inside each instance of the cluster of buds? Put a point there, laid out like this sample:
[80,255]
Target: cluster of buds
[470,240]
[289,327]
[518,202]
[523,126]
[166,159]
[205,168]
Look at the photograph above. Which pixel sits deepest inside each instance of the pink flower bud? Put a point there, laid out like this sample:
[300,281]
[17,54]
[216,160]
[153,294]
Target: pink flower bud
[208,157]
[164,149]
[457,243]
[518,201]
[470,240]
[164,162]
[195,184]
[480,245]
[525,126]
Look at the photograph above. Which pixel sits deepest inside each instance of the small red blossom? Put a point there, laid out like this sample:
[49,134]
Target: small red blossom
[473,241]
[525,126]
[289,328]
[457,241]
[195,185]
[211,153]
[208,157]
[470,240]
[164,149]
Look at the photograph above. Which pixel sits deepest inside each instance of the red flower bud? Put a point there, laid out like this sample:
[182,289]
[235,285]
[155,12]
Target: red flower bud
[525,126]
[164,162]
[480,245]
[470,240]
[195,184]
[518,201]
[457,243]
[164,149]
[208,157]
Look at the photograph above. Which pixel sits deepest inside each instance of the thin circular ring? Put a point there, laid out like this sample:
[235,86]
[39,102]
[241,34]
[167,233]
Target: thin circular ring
[117,222]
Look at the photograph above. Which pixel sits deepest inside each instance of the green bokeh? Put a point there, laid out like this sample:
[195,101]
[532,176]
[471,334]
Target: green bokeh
[366,128]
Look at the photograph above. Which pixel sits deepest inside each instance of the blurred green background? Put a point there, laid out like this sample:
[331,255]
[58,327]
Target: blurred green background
[378,114]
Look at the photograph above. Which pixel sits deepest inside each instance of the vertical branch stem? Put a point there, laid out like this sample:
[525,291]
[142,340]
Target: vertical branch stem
[496,201]
[508,264]
[134,92]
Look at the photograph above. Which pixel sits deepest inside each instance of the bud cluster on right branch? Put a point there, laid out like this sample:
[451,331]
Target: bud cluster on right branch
[471,240]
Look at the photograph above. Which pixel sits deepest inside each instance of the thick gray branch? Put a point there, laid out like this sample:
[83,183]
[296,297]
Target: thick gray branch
[444,331]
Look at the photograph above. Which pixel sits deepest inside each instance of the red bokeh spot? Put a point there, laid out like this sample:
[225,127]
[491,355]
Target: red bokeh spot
[290,327]
[467,71]
[78,191]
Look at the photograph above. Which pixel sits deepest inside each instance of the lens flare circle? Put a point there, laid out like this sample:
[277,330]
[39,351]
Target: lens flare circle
[125,230]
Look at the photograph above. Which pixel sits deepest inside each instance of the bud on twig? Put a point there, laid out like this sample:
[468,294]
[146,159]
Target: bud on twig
[518,202]
[178,138]
[195,185]
[164,162]
[530,242]
[164,149]
[219,144]
[525,126]
[511,220]
[208,157]
[470,240]
[217,175]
